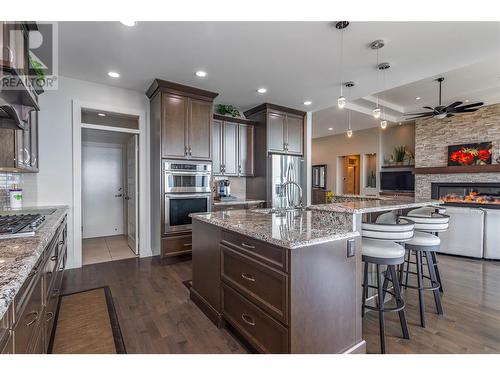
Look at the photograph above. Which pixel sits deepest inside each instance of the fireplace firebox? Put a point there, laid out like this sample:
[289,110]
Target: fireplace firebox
[467,194]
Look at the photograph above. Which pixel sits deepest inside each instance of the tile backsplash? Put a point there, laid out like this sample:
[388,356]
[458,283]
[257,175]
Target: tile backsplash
[8,180]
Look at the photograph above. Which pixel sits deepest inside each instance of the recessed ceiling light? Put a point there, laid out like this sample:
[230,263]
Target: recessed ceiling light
[307,102]
[330,128]
[201,74]
[418,98]
[128,23]
[114,74]
[101,114]
[262,90]
[467,100]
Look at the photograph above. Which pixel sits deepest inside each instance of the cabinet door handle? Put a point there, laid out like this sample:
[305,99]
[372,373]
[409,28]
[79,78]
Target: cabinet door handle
[53,258]
[50,315]
[33,272]
[35,318]
[187,244]
[62,242]
[189,150]
[248,319]
[245,245]
[185,150]
[248,277]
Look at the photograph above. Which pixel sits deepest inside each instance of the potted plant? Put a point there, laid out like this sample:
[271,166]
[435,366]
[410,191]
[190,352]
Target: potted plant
[399,154]
[227,109]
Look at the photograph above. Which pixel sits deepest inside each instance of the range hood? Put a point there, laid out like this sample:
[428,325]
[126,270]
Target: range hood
[15,108]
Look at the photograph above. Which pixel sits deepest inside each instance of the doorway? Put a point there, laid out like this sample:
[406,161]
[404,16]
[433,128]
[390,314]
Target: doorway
[109,195]
[351,174]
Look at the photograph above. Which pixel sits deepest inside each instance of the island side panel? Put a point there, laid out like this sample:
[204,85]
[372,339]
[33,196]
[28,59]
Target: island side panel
[325,311]
[205,291]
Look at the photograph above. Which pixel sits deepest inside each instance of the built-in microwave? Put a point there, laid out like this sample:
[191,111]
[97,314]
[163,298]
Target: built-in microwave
[179,206]
[187,176]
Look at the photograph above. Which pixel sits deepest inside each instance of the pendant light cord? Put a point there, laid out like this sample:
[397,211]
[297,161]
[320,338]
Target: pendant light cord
[341,58]
[377,77]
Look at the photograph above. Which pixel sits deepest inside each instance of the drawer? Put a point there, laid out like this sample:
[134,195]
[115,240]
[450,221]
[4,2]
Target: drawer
[28,322]
[263,285]
[176,245]
[266,253]
[263,332]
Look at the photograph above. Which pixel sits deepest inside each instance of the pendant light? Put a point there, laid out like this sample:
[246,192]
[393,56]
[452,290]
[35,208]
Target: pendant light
[376,45]
[349,129]
[341,25]
[383,67]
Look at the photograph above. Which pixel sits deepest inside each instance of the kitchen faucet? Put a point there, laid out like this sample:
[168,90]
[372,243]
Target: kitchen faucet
[284,186]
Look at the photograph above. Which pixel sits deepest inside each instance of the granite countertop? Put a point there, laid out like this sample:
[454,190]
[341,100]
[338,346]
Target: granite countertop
[291,231]
[361,206]
[237,202]
[19,255]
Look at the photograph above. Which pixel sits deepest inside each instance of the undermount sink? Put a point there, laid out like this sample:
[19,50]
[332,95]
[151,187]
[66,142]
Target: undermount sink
[279,211]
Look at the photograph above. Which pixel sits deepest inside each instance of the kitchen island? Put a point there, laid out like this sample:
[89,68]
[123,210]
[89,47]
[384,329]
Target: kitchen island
[287,282]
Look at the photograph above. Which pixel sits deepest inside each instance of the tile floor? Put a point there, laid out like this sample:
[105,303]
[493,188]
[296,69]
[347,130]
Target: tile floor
[105,249]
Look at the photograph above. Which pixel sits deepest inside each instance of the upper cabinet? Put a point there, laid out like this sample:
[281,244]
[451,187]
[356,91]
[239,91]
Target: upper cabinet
[232,146]
[184,120]
[284,128]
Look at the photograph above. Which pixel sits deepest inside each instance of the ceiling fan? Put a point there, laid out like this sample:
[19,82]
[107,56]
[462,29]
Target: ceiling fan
[442,111]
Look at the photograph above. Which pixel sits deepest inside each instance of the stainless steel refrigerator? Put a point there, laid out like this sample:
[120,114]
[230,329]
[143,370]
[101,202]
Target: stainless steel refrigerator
[286,168]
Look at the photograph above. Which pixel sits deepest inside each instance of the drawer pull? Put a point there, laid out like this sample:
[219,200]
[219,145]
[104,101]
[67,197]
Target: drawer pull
[61,242]
[247,246]
[35,318]
[53,258]
[55,292]
[33,272]
[187,244]
[49,316]
[248,319]
[248,277]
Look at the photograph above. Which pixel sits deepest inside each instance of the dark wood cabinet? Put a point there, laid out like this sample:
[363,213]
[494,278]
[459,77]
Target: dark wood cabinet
[184,121]
[34,306]
[245,149]
[19,148]
[173,126]
[281,300]
[233,141]
[199,130]
[284,128]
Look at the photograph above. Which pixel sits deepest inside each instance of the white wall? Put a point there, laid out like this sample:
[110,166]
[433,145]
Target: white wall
[54,183]
[327,150]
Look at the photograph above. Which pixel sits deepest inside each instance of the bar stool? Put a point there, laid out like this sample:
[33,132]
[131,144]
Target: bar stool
[425,244]
[429,211]
[380,247]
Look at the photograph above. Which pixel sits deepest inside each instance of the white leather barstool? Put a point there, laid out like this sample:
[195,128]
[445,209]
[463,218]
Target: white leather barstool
[425,244]
[380,247]
[429,211]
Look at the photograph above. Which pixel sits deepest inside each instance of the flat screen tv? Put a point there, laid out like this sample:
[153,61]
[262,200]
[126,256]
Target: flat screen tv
[397,181]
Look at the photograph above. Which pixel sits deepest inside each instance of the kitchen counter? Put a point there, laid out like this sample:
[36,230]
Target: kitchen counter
[19,255]
[237,202]
[293,230]
[368,205]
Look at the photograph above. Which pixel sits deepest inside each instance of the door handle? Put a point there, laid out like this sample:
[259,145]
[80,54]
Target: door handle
[127,197]
[118,195]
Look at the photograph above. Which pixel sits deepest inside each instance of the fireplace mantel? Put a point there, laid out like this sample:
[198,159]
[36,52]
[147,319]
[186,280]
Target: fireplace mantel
[491,168]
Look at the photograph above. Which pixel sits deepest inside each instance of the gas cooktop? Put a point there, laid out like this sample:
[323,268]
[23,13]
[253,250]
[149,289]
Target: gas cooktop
[13,226]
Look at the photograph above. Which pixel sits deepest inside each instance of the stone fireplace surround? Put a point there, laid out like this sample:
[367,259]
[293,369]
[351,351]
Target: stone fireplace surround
[472,230]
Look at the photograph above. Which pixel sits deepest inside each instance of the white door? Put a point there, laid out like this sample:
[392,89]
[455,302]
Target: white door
[102,190]
[131,194]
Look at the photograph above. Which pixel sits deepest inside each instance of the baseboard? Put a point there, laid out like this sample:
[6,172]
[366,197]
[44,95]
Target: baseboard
[206,308]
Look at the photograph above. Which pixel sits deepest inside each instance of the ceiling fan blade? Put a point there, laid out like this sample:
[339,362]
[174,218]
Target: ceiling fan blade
[419,113]
[427,107]
[478,104]
[455,104]
[466,110]
[425,115]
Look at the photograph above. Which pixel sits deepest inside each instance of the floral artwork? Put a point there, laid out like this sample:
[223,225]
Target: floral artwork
[470,154]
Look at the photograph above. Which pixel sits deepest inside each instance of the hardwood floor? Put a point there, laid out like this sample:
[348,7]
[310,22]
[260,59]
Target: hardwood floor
[157,316]
[153,306]
[471,320]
